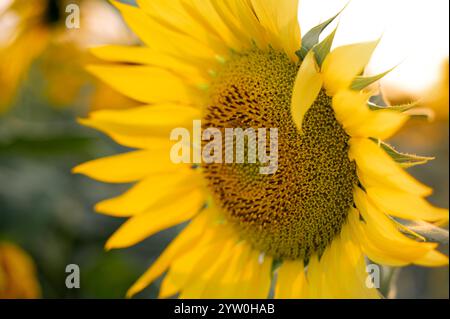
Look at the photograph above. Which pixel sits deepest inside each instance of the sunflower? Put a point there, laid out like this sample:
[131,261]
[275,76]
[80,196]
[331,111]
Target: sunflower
[437,96]
[17,273]
[25,37]
[36,32]
[338,194]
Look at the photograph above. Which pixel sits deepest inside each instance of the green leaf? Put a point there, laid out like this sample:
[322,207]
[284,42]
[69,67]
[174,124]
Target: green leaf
[311,38]
[48,145]
[322,49]
[361,82]
[426,230]
[403,159]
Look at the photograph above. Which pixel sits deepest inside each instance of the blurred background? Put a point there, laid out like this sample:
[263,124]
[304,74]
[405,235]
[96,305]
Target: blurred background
[47,211]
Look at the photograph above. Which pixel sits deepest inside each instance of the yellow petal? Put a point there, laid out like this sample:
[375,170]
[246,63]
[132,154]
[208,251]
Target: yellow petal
[146,224]
[254,277]
[248,21]
[405,205]
[376,168]
[433,259]
[344,257]
[147,119]
[161,38]
[306,88]
[248,275]
[239,18]
[168,288]
[350,107]
[382,233]
[198,268]
[373,252]
[137,20]
[334,257]
[150,192]
[224,281]
[381,124]
[144,55]
[344,63]
[315,278]
[144,126]
[128,54]
[127,167]
[353,267]
[205,14]
[192,271]
[180,245]
[259,286]
[148,84]
[359,121]
[173,15]
[280,19]
[291,280]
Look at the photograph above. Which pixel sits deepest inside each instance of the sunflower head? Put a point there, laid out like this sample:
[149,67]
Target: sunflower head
[31,24]
[295,216]
[338,190]
[17,273]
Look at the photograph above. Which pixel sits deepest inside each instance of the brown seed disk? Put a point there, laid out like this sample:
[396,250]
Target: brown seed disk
[300,209]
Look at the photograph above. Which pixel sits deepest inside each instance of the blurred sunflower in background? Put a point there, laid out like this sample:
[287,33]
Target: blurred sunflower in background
[43,87]
[36,32]
[436,97]
[339,194]
[19,45]
[18,277]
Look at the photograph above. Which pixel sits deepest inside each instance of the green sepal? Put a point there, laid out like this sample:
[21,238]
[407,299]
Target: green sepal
[311,38]
[361,82]
[322,49]
[403,159]
[400,108]
[409,109]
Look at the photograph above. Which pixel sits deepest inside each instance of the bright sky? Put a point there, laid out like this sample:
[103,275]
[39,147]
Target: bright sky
[414,33]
